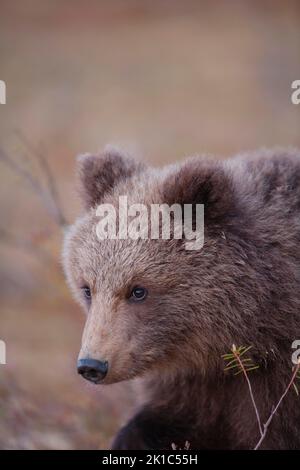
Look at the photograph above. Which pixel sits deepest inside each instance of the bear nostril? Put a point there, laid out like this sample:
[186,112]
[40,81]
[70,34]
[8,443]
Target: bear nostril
[92,369]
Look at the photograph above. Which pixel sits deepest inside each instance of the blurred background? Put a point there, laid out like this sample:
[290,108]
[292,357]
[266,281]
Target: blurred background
[163,79]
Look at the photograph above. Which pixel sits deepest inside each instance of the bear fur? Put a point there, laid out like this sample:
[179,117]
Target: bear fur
[242,288]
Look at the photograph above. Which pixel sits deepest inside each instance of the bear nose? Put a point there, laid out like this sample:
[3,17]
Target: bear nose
[92,370]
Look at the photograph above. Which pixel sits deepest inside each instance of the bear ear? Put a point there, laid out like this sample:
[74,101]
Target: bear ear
[99,173]
[202,181]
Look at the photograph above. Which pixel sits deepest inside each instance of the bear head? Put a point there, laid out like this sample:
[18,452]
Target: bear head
[151,304]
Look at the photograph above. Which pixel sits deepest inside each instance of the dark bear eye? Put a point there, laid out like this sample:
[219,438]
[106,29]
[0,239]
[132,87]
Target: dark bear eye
[138,294]
[87,292]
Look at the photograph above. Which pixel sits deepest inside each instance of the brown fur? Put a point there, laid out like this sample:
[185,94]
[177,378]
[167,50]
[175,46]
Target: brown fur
[243,287]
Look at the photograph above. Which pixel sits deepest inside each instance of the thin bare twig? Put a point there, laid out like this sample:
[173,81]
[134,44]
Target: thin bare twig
[242,366]
[19,170]
[49,178]
[235,361]
[41,254]
[49,196]
[274,410]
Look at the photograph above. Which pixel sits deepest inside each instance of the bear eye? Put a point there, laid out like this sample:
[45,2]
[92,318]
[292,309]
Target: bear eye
[138,294]
[87,292]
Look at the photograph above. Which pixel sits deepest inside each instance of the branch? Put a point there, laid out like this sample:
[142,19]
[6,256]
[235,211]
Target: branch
[237,355]
[274,410]
[60,218]
[49,196]
[244,365]
[42,255]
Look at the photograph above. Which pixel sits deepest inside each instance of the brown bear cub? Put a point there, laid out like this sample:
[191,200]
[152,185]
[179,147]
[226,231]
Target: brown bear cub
[158,311]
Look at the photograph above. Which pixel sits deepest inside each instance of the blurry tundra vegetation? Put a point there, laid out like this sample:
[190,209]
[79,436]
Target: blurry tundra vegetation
[164,79]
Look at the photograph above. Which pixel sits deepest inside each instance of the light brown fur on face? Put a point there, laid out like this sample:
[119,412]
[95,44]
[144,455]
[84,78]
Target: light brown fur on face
[117,331]
[241,288]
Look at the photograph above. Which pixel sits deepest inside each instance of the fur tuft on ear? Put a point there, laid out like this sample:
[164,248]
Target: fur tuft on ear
[202,181]
[99,173]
